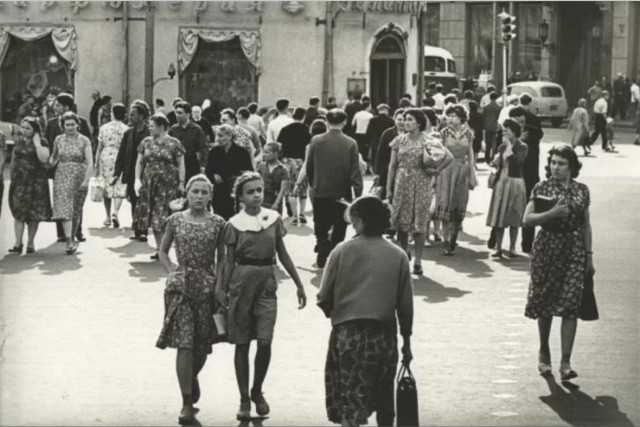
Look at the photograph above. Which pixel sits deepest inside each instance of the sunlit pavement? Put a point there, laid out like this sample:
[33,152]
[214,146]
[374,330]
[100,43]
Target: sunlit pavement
[78,332]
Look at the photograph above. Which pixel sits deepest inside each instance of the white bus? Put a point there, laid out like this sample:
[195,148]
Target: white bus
[440,67]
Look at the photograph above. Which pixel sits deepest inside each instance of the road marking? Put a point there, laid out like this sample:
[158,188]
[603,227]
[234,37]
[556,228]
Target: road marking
[504,396]
[504,381]
[507,367]
[504,414]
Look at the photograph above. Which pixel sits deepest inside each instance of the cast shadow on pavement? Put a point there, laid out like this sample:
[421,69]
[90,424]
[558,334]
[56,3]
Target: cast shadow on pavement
[147,272]
[316,280]
[435,292]
[254,421]
[132,249]
[299,230]
[51,260]
[465,261]
[519,263]
[472,240]
[579,409]
[108,233]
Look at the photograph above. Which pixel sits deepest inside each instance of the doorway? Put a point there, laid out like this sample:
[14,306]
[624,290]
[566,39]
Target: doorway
[388,64]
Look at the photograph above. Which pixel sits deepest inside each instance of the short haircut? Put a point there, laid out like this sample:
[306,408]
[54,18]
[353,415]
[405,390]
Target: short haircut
[119,111]
[273,146]
[298,113]
[513,126]
[491,88]
[318,127]
[517,112]
[70,115]
[160,102]
[336,116]
[282,104]
[244,113]
[160,120]
[253,108]
[314,100]
[383,107]
[429,102]
[566,152]
[494,95]
[408,96]
[230,113]
[605,92]
[366,99]
[405,103]
[176,101]
[439,87]
[525,99]
[141,107]
[468,94]
[417,114]
[65,99]
[450,99]
[432,85]
[184,106]
[373,213]
[459,111]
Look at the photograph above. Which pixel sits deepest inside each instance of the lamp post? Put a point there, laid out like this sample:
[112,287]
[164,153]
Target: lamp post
[171,72]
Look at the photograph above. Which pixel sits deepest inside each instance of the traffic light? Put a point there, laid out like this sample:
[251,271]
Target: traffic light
[508,26]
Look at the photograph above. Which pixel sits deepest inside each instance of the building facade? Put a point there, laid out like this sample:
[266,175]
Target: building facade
[571,43]
[230,52]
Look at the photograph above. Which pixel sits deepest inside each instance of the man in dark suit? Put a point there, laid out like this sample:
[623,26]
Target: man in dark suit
[312,111]
[532,135]
[334,174]
[377,126]
[64,102]
[490,114]
[351,109]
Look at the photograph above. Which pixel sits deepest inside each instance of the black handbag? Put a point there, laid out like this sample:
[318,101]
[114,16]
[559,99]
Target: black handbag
[491,181]
[407,397]
[588,306]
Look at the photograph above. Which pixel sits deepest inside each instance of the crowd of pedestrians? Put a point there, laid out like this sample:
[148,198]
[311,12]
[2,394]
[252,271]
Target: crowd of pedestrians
[223,191]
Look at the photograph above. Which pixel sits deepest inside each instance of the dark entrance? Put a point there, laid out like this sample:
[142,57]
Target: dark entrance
[580,57]
[388,63]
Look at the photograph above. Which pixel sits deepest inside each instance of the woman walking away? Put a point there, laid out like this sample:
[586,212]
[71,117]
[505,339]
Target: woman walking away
[29,198]
[190,291]
[579,127]
[455,181]
[109,140]
[365,285]
[509,197]
[562,254]
[159,178]
[253,238]
[72,155]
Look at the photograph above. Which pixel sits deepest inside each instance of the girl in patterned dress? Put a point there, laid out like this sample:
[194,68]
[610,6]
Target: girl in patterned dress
[109,140]
[29,197]
[562,254]
[159,178]
[190,290]
[72,154]
[254,238]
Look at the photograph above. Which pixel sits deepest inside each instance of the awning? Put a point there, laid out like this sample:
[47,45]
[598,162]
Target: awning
[189,38]
[64,39]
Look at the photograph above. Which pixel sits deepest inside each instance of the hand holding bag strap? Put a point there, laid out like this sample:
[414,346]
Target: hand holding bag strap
[405,371]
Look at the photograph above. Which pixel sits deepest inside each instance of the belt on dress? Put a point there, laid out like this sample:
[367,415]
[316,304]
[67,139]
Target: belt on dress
[257,262]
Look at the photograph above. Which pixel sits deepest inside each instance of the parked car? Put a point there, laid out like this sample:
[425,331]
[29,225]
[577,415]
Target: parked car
[549,101]
[10,130]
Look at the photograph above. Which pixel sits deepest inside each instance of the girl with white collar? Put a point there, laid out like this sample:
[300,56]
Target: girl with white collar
[254,237]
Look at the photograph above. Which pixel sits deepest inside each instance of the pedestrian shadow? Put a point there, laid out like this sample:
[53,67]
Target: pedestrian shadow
[472,240]
[16,264]
[132,249]
[302,231]
[519,263]
[254,421]
[194,423]
[579,409]
[107,233]
[465,261]
[51,260]
[147,272]
[435,292]
[316,280]
[59,263]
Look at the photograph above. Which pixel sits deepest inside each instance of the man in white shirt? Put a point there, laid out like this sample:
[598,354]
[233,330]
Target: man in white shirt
[360,123]
[256,122]
[513,101]
[439,99]
[635,98]
[283,119]
[600,109]
[486,98]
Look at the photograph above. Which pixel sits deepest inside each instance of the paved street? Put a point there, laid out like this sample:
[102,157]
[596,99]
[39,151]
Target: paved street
[78,332]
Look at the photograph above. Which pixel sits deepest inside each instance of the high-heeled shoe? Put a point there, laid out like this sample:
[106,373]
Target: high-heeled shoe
[545,369]
[115,221]
[16,250]
[497,255]
[31,249]
[566,373]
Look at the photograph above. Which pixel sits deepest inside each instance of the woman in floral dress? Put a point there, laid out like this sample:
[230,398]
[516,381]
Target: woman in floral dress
[408,184]
[455,181]
[159,178]
[73,157]
[109,140]
[29,197]
[190,291]
[562,254]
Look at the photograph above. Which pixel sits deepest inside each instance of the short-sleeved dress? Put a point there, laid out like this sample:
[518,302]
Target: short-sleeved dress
[452,190]
[68,196]
[253,305]
[111,137]
[411,195]
[3,149]
[29,197]
[189,294]
[272,182]
[559,256]
[160,180]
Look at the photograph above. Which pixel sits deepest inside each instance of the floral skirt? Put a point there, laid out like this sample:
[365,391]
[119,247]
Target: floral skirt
[360,371]
[295,167]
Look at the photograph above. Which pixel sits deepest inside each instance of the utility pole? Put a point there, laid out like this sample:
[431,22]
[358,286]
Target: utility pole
[327,67]
[148,56]
[508,34]
[125,48]
[420,80]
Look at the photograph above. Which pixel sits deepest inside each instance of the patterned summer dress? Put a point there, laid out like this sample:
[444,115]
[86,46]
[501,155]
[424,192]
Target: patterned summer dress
[29,197]
[411,195]
[558,258]
[110,137]
[3,150]
[452,191]
[189,293]
[68,196]
[160,180]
